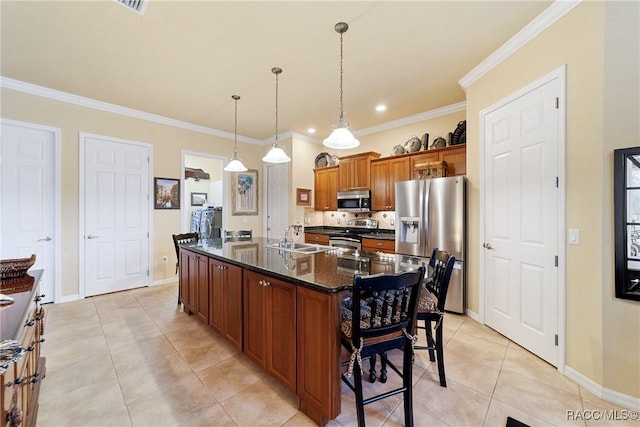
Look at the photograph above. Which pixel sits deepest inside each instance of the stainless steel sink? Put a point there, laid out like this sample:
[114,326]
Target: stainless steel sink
[302,248]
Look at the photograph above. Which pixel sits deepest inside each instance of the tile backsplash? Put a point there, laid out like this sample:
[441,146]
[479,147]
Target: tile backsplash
[386,220]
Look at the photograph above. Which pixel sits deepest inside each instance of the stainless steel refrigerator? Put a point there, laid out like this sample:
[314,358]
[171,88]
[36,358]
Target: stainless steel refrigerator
[432,213]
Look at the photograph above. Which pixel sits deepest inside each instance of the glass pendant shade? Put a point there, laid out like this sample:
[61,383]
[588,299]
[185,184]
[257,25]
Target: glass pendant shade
[341,138]
[235,165]
[276,154]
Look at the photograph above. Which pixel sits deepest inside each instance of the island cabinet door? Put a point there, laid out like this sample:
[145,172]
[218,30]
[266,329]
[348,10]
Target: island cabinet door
[255,312]
[318,359]
[281,321]
[225,300]
[202,301]
[233,305]
[216,295]
[184,278]
[270,327]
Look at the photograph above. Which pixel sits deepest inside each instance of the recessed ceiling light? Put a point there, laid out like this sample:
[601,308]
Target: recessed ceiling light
[311,130]
[381,107]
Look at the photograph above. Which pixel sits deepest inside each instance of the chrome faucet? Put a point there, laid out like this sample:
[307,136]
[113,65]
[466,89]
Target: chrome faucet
[297,228]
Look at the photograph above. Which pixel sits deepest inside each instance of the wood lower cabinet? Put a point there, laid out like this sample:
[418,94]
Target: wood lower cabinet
[319,239]
[225,300]
[384,175]
[24,322]
[318,321]
[354,172]
[325,183]
[379,245]
[270,326]
[194,283]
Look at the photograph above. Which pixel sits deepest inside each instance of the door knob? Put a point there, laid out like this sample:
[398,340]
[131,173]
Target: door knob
[91,236]
[487,245]
[46,239]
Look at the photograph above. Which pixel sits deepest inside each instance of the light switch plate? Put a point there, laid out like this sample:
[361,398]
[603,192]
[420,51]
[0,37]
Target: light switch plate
[574,236]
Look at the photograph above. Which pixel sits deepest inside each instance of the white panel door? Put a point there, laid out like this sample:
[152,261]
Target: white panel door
[277,200]
[521,220]
[116,215]
[28,199]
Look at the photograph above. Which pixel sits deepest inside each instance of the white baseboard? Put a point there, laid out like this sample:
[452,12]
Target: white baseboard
[615,397]
[165,281]
[68,298]
[473,315]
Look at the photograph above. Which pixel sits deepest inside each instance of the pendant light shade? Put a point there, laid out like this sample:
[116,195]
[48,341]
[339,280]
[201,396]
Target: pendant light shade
[341,138]
[276,154]
[235,165]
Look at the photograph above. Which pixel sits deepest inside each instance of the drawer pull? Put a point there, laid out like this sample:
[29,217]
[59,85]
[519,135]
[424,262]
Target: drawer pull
[30,322]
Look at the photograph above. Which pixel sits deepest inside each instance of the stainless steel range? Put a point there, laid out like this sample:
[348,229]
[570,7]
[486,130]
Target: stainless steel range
[350,237]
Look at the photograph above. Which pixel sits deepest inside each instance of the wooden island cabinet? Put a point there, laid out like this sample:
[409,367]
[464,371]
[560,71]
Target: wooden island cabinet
[285,317]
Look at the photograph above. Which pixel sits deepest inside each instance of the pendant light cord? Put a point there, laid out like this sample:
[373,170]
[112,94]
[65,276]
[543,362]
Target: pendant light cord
[276,137]
[235,128]
[341,105]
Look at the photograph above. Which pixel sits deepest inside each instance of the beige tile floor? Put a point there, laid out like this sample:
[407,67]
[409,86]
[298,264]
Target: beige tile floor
[135,359]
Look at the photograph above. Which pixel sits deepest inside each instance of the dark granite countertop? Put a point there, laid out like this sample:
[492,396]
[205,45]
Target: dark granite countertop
[329,271]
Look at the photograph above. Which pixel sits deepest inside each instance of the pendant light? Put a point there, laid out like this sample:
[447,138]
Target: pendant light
[341,138]
[235,165]
[276,154]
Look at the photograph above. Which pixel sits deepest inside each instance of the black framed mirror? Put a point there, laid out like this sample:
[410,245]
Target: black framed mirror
[626,183]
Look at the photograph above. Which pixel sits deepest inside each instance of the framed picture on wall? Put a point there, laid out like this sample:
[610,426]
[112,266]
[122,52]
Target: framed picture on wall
[166,193]
[303,197]
[198,199]
[244,193]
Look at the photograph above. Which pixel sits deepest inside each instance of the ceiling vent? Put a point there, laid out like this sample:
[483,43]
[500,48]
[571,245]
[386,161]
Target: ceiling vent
[196,174]
[135,5]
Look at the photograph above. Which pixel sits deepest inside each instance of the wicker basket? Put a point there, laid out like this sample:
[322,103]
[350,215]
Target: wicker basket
[15,267]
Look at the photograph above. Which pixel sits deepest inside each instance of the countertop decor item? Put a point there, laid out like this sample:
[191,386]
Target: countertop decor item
[276,154]
[16,267]
[235,165]
[341,138]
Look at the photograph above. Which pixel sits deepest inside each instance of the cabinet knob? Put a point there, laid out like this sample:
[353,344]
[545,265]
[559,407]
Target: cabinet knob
[267,283]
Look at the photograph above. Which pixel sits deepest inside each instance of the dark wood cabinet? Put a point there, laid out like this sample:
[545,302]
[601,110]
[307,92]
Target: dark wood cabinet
[325,183]
[270,326]
[194,283]
[384,175]
[225,300]
[318,321]
[354,172]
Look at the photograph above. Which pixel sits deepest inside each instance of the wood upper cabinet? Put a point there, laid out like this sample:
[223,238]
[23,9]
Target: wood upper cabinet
[194,283]
[455,156]
[225,300]
[354,171]
[325,183]
[270,326]
[384,175]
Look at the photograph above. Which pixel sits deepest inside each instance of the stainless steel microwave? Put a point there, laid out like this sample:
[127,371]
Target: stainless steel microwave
[354,201]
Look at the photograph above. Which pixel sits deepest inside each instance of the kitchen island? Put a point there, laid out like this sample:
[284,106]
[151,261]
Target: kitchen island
[281,308]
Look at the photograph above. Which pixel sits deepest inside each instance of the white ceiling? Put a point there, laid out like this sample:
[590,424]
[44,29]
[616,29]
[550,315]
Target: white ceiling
[184,59]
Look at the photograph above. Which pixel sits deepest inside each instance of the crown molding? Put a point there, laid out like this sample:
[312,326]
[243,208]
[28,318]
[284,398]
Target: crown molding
[539,24]
[416,118]
[82,101]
